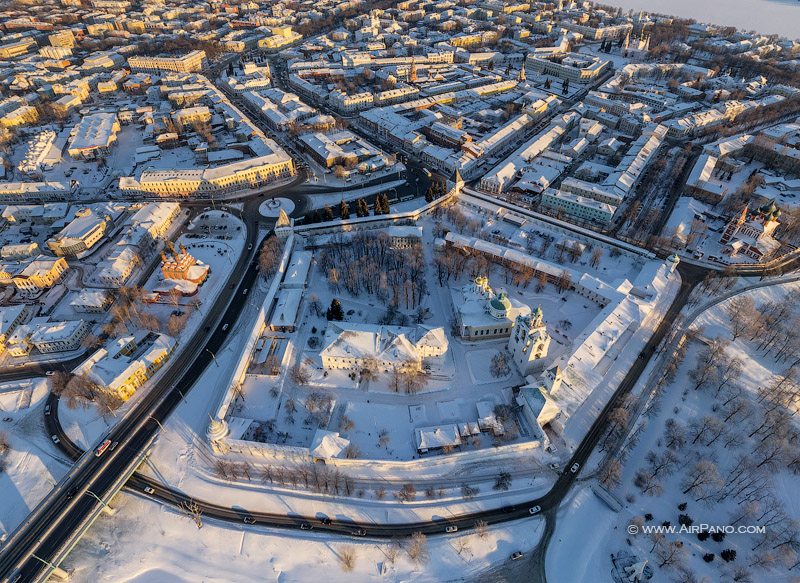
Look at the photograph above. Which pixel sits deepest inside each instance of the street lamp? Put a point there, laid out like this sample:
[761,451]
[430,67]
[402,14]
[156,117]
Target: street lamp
[213,356]
[57,571]
[160,426]
[106,508]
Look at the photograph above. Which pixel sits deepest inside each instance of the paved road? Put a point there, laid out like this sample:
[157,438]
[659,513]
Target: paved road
[53,521]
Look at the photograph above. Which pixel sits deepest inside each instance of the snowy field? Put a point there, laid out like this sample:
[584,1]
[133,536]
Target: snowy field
[32,464]
[145,544]
[705,456]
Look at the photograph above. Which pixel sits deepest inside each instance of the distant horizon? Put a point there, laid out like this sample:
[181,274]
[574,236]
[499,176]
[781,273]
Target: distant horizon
[771,16]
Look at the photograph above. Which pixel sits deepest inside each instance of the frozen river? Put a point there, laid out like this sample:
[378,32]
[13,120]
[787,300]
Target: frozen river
[765,16]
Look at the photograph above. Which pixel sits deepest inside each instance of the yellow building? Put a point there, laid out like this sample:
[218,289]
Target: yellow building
[189,63]
[125,364]
[40,274]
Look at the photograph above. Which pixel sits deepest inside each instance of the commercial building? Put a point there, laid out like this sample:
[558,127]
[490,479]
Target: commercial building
[39,274]
[59,336]
[93,137]
[81,234]
[192,62]
[574,67]
[244,175]
[126,363]
[577,207]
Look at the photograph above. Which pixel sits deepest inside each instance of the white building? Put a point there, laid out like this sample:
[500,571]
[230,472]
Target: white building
[350,345]
[529,342]
[59,336]
[93,136]
[482,313]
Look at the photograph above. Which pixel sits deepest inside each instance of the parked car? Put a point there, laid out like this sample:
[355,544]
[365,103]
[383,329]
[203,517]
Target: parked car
[516,555]
[55,439]
[249,520]
[305,526]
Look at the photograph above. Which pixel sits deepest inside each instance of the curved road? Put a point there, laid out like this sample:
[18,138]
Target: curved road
[50,526]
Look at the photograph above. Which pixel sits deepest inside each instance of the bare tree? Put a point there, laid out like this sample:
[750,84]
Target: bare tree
[670,553]
[347,558]
[610,474]
[482,529]
[191,509]
[703,479]
[407,493]
[417,548]
[299,375]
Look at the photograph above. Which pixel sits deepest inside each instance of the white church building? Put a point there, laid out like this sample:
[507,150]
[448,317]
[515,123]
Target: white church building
[529,342]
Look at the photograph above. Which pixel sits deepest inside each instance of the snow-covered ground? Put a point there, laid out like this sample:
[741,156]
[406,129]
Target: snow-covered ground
[142,544]
[32,464]
[652,497]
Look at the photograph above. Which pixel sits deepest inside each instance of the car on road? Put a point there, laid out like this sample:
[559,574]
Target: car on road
[71,493]
[225,327]
[305,526]
[249,520]
[113,445]
[359,532]
[247,289]
[149,490]
[55,439]
[574,468]
[47,409]
[50,373]
[325,520]
[535,510]
[8,419]
[250,246]
[450,528]
[102,448]
[508,509]
[516,555]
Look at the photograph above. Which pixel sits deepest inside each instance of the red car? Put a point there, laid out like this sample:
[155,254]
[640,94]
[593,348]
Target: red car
[103,447]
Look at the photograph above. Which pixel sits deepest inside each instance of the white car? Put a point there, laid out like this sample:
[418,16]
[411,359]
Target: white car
[451,528]
[575,467]
[535,510]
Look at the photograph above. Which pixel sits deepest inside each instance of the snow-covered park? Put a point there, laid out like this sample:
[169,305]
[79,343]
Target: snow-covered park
[713,450]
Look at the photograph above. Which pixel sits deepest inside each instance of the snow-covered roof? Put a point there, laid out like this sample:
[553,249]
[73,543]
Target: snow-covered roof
[328,444]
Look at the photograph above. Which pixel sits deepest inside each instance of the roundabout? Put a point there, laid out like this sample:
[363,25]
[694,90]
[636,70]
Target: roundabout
[271,208]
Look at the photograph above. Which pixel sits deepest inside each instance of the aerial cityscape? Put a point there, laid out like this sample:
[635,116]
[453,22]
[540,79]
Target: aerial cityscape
[397,291]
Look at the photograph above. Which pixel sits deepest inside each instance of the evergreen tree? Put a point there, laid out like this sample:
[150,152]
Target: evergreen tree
[335,311]
[327,213]
[344,210]
[362,210]
[429,195]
